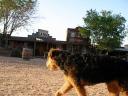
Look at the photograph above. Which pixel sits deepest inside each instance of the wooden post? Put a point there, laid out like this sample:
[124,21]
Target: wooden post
[34,49]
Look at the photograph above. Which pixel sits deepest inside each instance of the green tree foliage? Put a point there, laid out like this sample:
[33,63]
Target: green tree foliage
[105,29]
[15,14]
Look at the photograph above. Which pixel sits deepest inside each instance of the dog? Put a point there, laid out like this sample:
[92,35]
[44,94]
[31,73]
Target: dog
[83,70]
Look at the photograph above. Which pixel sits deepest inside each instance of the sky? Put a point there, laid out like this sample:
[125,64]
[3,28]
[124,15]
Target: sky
[56,16]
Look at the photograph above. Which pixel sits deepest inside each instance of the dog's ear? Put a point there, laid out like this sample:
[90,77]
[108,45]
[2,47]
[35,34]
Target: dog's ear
[53,53]
[50,52]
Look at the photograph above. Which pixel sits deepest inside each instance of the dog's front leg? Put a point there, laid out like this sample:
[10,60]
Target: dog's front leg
[78,87]
[65,88]
[80,90]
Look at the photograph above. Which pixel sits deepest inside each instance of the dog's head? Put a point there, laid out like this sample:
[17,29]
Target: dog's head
[57,59]
[51,59]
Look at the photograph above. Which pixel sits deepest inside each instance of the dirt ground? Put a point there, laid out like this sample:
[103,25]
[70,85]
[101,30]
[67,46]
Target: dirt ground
[31,78]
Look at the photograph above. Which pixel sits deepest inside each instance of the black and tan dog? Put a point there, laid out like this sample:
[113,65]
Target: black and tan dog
[80,70]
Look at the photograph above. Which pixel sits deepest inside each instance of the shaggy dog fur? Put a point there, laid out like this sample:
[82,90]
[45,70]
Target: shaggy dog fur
[80,70]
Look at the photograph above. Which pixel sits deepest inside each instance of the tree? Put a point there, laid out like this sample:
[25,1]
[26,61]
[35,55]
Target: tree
[105,29]
[15,14]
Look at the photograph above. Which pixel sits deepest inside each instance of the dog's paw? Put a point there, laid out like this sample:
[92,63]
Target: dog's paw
[58,93]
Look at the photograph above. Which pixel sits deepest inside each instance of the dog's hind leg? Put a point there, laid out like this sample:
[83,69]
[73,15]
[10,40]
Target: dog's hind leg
[113,88]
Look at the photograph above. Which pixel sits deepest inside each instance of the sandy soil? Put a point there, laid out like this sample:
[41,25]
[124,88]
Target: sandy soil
[32,78]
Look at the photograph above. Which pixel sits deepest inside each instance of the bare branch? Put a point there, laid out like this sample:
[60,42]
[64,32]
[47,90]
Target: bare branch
[15,14]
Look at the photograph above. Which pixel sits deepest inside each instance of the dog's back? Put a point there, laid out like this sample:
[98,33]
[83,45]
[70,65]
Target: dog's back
[98,69]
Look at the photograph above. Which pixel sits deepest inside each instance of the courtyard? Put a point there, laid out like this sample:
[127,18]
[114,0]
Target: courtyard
[31,78]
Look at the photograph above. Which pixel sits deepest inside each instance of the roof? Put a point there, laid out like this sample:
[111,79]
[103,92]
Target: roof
[74,29]
[13,38]
[121,49]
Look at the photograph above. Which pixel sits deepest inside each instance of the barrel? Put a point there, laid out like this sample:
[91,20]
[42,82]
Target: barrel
[26,53]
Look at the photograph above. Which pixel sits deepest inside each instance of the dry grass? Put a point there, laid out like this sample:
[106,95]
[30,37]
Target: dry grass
[32,78]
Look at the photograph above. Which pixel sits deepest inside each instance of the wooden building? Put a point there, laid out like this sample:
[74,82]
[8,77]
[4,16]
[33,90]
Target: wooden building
[40,42]
[75,42]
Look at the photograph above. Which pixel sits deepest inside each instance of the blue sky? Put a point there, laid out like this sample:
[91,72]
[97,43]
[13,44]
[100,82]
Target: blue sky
[58,15]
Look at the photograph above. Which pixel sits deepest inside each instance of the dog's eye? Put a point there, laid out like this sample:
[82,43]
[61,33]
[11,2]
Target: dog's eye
[53,58]
[55,53]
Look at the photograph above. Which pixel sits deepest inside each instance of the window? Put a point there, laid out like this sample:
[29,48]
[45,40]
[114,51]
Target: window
[72,34]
